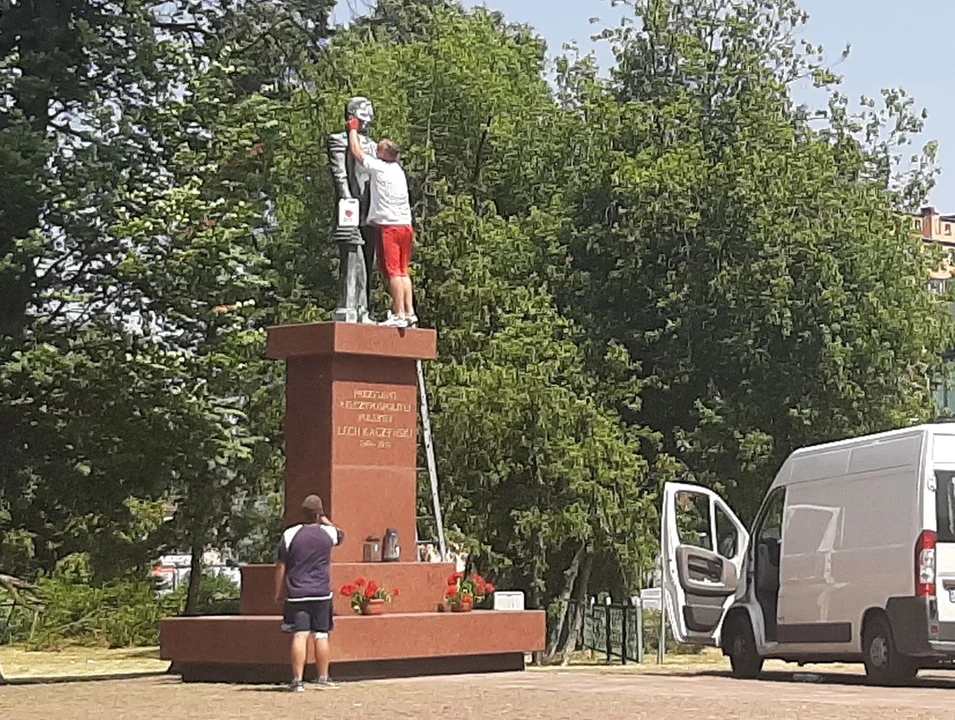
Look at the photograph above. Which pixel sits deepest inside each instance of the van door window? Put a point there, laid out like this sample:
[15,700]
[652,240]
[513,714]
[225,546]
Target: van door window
[726,535]
[693,519]
[772,526]
[945,506]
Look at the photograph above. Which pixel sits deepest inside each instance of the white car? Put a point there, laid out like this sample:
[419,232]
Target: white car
[851,558]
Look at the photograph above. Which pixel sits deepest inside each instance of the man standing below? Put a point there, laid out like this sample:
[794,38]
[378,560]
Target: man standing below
[390,211]
[303,578]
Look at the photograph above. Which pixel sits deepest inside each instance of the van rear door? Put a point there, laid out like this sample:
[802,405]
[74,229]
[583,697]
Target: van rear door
[702,544]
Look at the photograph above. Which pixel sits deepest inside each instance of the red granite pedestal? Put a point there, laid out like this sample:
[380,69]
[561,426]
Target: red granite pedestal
[351,437]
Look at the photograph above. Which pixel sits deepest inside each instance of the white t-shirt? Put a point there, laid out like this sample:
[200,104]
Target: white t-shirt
[389,193]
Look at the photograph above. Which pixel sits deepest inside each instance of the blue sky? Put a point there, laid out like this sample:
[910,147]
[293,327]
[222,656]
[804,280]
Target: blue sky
[893,45]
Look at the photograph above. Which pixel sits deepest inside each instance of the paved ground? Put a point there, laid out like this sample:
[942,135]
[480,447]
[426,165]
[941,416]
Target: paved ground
[536,694]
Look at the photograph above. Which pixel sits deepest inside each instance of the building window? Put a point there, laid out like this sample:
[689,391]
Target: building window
[948,228]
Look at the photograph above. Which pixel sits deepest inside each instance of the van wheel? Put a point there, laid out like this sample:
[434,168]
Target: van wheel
[741,648]
[885,665]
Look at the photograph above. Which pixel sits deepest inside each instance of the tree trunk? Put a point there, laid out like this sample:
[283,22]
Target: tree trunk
[195,576]
[570,579]
[580,596]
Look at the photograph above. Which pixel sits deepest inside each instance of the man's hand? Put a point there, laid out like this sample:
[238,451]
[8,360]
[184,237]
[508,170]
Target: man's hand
[354,124]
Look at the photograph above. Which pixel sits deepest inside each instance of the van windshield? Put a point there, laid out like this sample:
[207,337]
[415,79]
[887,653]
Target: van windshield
[945,506]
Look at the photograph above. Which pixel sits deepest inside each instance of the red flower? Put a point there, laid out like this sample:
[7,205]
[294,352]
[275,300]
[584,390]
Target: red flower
[395,593]
[452,592]
[360,582]
[478,579]
[348,590]
[453,580]
[369,593]
[489,589]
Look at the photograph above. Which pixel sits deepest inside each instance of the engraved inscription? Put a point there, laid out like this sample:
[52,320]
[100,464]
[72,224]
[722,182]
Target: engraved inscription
[376,418]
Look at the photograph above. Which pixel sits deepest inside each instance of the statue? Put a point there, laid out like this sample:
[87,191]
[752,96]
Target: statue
[357,240]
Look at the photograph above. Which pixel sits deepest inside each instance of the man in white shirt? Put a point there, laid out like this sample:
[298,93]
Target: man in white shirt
[390,211]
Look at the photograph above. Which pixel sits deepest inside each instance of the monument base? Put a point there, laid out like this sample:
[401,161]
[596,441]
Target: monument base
[253,649]
[351,437]
[352,671]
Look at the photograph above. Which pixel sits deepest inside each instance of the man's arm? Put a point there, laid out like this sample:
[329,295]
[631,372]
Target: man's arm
[279,582]
[354,142]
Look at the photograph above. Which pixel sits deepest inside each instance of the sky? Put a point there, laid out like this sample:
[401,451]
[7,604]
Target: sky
[894,44]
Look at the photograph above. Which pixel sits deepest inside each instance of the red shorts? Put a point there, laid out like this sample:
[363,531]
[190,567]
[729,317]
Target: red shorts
[394,252]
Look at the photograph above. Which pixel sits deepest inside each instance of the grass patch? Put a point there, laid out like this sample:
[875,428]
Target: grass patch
[18,662]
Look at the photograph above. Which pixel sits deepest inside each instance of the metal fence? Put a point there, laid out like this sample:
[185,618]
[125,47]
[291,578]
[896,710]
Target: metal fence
[612,629]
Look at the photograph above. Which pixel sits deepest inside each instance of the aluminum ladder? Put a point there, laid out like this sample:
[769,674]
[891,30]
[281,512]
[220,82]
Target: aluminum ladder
[432,470]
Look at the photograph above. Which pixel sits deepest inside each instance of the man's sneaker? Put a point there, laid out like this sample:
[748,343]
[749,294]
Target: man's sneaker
[296,686]
[412,321]
[394,321]
[324,684]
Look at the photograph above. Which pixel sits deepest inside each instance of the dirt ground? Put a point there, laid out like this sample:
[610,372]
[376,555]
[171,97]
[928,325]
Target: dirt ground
[551,694]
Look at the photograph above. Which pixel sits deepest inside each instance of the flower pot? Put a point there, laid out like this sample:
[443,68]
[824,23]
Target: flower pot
[462,607]
[373,607]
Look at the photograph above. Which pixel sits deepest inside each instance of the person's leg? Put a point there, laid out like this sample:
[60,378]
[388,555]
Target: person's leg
[323,622]
[407,241]
[394,287]
[323,656]
[295,622]
[391,253]
[299,652]
[407,296]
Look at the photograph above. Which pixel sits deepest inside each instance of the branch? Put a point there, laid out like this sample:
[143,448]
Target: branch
[181,27]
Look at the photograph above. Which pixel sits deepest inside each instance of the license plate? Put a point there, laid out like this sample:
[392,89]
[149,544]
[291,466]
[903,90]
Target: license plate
[951,596]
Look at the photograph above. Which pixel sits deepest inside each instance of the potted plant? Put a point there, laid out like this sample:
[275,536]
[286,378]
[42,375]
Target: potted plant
[368,597]
[465,591]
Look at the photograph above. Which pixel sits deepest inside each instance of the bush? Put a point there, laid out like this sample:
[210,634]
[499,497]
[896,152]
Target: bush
[651,637]
[218,595]
[119,613]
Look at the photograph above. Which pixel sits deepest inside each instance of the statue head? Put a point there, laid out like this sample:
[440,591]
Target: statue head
[361,108]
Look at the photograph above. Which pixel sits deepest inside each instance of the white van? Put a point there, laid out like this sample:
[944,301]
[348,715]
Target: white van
[852,559]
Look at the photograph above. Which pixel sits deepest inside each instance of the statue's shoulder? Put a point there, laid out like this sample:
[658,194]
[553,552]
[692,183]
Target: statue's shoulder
[339,139]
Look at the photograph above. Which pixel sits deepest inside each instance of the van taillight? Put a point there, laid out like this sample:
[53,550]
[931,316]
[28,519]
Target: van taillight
[925,564]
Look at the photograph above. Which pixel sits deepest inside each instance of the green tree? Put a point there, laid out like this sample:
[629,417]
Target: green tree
[746,252]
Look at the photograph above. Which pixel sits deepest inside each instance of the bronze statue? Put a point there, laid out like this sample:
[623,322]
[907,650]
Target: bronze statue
[357,240]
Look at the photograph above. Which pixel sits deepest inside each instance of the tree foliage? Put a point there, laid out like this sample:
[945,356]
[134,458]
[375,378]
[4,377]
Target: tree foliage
[669,271]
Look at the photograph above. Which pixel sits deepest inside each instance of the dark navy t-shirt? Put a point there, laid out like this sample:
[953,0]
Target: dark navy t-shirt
[306,551]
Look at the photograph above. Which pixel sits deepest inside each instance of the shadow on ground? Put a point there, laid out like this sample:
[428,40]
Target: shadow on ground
[924,682]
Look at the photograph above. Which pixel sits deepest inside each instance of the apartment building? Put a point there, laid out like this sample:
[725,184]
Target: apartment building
[939,229]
